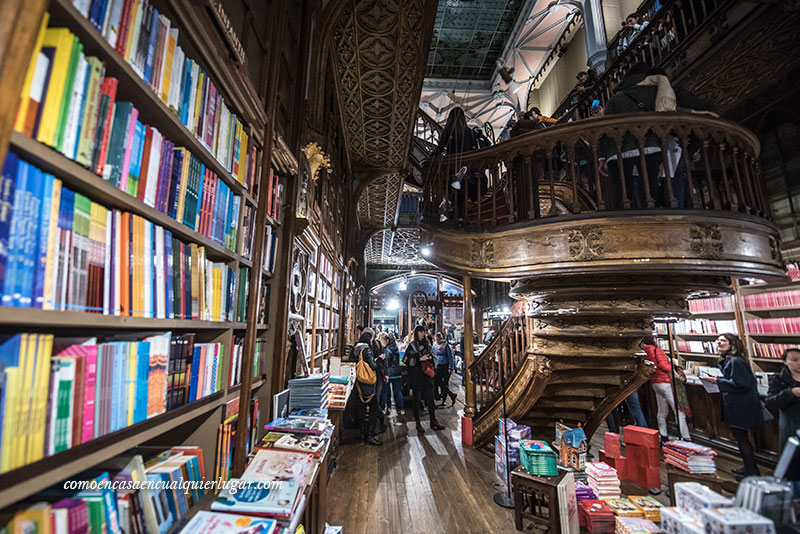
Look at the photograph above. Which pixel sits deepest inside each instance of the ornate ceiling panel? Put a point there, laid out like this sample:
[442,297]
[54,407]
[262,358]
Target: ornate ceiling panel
[377,204]
[380,47]
[395,247]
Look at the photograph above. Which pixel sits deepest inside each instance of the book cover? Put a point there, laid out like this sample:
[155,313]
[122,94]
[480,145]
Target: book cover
[224,523]
[279,466]
[278,502]
[63,42]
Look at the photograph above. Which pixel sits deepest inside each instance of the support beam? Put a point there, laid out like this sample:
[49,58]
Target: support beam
[467,349]
[596,45]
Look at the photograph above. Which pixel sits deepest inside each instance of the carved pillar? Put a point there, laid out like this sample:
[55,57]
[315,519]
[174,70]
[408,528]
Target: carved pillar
[596,43]
[469,401]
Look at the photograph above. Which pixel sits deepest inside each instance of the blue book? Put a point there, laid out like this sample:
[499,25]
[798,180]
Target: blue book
[118,392]
[41,248]
[135,169]
[23,295]
[110,504]
[9,357]
[17,232]
[97,391]
[168,290]
[151,49]
[199,201]
[8,179]
[186,91]
[65,218]
[96,13]
[142,374]
[195,374]
[164,501]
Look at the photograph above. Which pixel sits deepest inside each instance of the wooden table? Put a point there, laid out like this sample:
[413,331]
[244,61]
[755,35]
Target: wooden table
[536,499]
[712,480]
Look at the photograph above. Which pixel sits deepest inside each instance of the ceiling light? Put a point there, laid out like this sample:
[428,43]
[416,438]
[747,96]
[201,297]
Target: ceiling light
[425,251]
[393,304]
[403,285]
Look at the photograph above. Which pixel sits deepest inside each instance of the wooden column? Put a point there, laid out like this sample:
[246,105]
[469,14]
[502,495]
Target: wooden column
[256,273]
[469,406]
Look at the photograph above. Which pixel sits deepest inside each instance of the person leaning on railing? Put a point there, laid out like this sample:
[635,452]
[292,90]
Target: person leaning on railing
[644,90]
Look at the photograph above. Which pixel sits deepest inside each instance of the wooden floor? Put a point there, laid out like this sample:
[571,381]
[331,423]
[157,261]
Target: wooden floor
[416,483]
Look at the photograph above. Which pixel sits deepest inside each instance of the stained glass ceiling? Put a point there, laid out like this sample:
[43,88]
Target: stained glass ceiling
[469,37]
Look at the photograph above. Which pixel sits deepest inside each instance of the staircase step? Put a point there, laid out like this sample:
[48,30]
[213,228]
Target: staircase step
[554,414]
[573,403]
[573,377]
[593,362]
[588,390]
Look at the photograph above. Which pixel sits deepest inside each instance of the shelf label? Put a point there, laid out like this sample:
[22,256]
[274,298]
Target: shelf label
[227,31]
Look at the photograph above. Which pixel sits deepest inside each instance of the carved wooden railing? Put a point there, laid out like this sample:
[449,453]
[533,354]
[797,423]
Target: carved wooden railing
[426,128]
[670,29]
[506,352]
[712,165]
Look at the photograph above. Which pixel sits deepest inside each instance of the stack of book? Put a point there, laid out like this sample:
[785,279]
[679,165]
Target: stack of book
[603,480]
[774,299]
[338,392]
[538,458]
[778,325]
[623,507]
[61,251]
[636,525]
[596,516]
[150,508]
[58,393]
[651,508]
[690,456]
[223,523]
[720,304]
[310,392]
[584,492]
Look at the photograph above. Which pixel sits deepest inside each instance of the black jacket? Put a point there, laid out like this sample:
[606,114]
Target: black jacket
[416,378]
[741,407]
[785,404]
[365,351]
[392,359]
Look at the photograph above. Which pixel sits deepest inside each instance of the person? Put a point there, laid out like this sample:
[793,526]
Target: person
[645,90]
[366,392]
[741,409]
[488,336]
[394,378]
[421,385]
[481,141]
[783,396]
[586,80]
[635,409]
[445,363]
[631,28]
[456,136]
[381,379]
[531,120]
[661,382]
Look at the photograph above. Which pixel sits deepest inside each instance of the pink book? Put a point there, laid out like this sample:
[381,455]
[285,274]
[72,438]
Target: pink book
[126,162]
[201,370]
[90,386]
[211,116]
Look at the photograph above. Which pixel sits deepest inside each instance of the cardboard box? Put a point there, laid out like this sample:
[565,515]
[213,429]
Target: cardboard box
[735,521]
[643,456]
[637,435]
[693,497]
[621,465]
[672,518]
[612,446]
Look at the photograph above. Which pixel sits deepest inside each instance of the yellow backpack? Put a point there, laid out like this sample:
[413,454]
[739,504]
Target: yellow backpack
[364,373]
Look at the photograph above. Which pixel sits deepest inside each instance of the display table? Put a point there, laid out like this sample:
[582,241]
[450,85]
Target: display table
[536,499]
[674,475]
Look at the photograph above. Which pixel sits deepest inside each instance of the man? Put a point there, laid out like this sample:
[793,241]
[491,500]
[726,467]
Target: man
[365,391]
[631,28]
[586,80]
[645,90]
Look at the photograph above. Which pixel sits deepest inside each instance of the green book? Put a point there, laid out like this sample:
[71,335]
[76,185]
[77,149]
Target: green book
[97,514]
[90,112]
[63,423]
[66,98]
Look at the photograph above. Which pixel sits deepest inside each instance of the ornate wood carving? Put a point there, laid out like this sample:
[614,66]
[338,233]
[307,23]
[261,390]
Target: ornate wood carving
[482,253]
[707,241]
[586,242]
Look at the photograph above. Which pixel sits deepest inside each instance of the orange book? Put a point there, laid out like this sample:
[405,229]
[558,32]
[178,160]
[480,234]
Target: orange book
[137,267]
[124,264]
[172,40]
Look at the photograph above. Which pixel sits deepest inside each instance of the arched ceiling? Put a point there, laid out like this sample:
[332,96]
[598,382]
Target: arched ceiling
[378,201]
[395,247]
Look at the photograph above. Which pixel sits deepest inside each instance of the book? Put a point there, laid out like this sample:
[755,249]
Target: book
[278,501]
[224,523]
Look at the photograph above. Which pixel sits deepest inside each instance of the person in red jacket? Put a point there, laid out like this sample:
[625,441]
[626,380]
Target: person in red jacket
[661,382]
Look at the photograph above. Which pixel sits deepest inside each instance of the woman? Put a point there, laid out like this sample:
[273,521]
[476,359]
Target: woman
[394,378]
[445,363]
[421,385]
[741,409]
[784,396]
[661,382]
[366,392]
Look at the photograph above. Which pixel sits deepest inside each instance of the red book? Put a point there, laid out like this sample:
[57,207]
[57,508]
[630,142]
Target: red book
[124,268]
[143,175]
[269,193]
[108,87]
[124,26]
[636,435]
[611,442]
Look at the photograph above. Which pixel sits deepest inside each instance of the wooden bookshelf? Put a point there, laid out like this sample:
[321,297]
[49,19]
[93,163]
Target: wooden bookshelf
[56,319]
[23,482]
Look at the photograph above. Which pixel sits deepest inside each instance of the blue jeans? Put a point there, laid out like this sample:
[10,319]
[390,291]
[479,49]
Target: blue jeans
[636,409]
[396,386]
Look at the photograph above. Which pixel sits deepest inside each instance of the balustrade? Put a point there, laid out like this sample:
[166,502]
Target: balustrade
[670,162]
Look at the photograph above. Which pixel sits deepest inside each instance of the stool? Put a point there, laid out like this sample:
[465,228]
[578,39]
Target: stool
[674,475]
[536,499]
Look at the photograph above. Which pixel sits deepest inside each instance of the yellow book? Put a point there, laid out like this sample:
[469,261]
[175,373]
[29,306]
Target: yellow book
[242,169]
[133,30]
[34,518]
[137,306]
[172,40]
[184,180]
[133,349]
[9,418]
[217,294]
[27,362]
[48,296]
[40,391]
[198,102]
[63,41]
[201,253]
[24,98]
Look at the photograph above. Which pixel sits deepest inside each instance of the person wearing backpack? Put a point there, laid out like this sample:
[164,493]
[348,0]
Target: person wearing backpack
[365,387]
[421,369]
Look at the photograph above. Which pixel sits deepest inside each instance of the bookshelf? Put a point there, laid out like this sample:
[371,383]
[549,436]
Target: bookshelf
[226,241]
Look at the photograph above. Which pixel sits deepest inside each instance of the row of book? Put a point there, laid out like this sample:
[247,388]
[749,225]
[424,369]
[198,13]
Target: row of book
[774,299]
[690,457]
[779,325]
[226,436]
[698,347]
[703,326]
[107,137]
[771,350]
[148,41]
[58,393]
[719,304]
[61,251]
[235,362]
[793,270]
[149,509]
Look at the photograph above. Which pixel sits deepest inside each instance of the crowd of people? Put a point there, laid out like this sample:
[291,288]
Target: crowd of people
[429,360]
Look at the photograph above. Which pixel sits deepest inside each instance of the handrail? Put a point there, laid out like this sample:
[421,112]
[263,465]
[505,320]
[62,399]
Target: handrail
[673,26]
[572,168]
[426,128]
[506,351]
